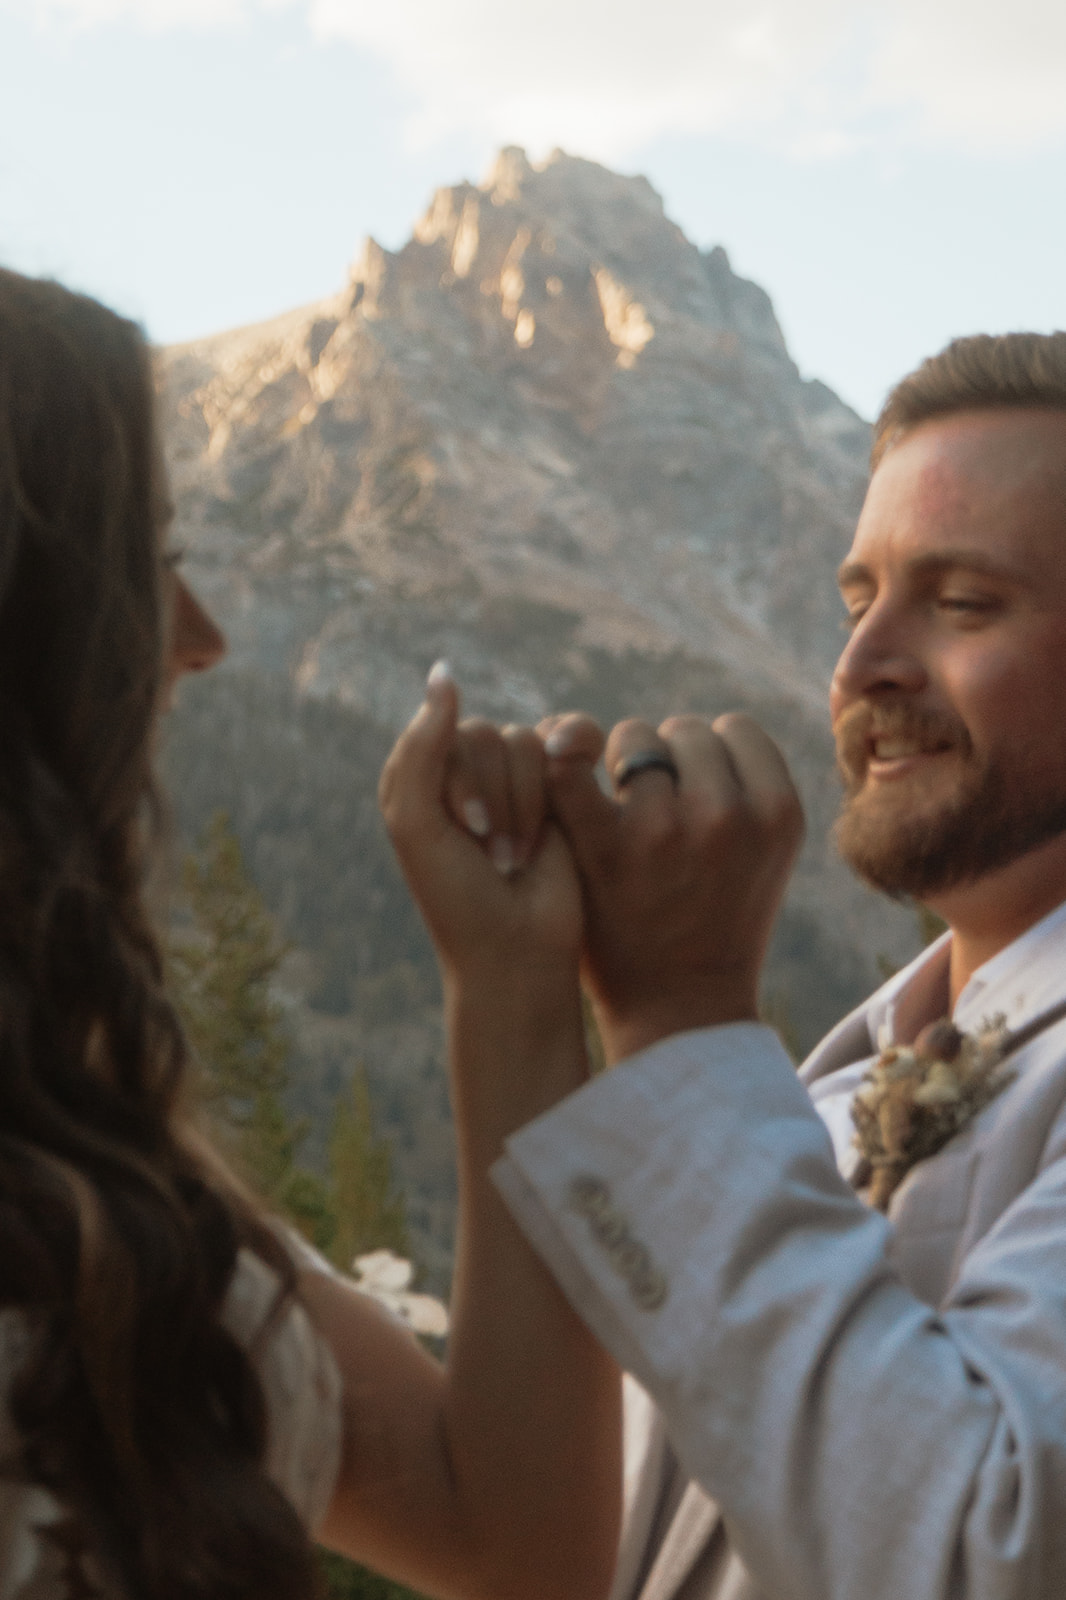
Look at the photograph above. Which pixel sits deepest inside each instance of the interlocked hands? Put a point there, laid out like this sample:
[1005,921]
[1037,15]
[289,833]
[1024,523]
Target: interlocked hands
[668,887]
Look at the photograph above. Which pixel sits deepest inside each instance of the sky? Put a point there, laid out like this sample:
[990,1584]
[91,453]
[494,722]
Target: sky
[892,175]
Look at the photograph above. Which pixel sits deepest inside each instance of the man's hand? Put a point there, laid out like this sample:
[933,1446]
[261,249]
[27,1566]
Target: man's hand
[682,879]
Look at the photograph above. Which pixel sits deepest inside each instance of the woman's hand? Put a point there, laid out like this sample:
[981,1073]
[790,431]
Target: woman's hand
[524,1435]
[466,807]
[451,1476]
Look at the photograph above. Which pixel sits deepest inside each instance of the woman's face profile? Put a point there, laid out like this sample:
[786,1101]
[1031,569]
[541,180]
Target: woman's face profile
[195,642]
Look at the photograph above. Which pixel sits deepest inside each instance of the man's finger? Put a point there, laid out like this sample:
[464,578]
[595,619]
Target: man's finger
[640,765]
[704,760]
[572,734]
[588,819]
[762,769]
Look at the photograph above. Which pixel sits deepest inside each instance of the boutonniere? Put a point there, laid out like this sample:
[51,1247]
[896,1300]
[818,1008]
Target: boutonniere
[916,1097]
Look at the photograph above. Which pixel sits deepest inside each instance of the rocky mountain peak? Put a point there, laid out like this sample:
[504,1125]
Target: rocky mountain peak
[556,442]
[530,235]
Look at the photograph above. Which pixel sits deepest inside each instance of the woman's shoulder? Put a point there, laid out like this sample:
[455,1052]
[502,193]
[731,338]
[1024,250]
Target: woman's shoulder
[32,1566]
[300,1380]
[303,1394]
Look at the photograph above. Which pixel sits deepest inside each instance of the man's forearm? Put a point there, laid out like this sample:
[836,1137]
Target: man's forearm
[858,1441]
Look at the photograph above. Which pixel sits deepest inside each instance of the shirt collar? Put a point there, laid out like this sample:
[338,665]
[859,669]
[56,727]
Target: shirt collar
[1021,980]
[1017,983]
[926,972]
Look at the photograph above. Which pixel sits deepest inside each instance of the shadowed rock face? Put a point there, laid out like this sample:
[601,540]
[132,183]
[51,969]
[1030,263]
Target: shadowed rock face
[553,441]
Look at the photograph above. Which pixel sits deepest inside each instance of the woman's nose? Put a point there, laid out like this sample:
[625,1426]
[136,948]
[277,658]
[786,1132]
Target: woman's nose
[197,642]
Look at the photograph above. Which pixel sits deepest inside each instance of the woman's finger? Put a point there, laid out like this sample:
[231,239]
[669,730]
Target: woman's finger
[413,778]
[527,772]
[478,788]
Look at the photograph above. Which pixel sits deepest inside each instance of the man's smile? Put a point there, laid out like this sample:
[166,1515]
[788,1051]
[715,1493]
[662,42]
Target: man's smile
[893,756]
[889,742]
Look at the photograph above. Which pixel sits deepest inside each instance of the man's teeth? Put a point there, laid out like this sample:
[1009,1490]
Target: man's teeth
[895,749]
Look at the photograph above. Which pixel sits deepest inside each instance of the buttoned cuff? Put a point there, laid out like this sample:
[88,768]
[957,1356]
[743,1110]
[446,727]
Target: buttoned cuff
[599,1183]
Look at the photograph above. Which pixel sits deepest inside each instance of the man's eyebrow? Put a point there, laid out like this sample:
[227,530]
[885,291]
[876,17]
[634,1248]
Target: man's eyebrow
[853,573]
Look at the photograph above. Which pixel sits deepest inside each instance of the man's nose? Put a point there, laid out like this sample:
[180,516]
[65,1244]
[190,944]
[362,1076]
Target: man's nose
[878,659]
[197,642]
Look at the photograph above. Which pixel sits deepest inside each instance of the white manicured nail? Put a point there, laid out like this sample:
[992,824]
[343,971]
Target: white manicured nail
[440,673]
[559,743]
[501,852]
[476,817]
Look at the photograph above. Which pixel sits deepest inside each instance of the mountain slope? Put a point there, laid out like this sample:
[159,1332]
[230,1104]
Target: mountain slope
[554,442]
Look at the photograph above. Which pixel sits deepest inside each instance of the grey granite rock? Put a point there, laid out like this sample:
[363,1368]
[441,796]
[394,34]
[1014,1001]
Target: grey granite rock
[555,442]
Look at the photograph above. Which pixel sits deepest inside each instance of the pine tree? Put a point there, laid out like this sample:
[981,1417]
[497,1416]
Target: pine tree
[221,966]
[369,1214]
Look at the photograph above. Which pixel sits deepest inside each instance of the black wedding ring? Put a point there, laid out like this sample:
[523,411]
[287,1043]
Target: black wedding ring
[646,761]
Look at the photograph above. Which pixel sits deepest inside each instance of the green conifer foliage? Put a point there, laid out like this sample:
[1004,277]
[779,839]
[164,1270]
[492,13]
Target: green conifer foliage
[223,971]
[222,964]
[369,1214]
[347,1580]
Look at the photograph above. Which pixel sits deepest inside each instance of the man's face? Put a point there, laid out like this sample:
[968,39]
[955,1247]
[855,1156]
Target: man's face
[949,702]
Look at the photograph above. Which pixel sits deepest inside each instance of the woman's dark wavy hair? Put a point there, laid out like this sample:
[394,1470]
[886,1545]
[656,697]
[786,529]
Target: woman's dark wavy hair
[134,1405]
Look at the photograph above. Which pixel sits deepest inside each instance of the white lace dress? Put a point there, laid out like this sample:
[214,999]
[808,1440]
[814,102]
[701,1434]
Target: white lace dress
[303,1390]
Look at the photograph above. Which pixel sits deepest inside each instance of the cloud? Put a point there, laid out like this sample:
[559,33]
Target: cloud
[979,73]
[605,76]
[601,76]
[153,16]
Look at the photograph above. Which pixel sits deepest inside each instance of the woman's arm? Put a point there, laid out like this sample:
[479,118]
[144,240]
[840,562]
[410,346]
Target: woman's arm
[499,1474]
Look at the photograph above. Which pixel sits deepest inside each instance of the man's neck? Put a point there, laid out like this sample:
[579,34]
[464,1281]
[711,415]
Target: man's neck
[986,916]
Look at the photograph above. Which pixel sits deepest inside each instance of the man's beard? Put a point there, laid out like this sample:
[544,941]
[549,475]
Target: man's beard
[994,815]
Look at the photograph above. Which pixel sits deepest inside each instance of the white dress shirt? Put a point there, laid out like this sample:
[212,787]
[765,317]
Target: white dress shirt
[1018,983]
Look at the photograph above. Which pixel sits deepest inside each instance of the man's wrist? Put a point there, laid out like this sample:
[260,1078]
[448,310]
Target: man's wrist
[628,1029]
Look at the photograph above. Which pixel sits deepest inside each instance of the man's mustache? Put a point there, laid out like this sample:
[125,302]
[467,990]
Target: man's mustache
[925,726]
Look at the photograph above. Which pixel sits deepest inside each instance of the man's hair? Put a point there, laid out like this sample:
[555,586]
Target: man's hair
[976,373]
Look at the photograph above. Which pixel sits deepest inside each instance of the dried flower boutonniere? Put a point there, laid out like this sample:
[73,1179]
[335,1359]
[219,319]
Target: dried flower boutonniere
[916,1097]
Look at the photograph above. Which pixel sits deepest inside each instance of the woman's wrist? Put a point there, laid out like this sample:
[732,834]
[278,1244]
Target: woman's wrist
[516,1049]
[541,989]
